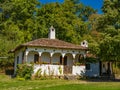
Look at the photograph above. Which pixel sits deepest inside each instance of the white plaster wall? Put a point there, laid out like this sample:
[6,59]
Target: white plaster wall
[20,56]
[48,69]
[18,53]
[53,50]
[78,70]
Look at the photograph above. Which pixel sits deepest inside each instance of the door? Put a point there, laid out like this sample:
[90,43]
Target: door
[67,68]
[105,69]
[36,58]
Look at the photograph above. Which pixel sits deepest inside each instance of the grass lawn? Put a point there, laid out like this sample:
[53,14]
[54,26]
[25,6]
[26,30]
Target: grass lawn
[6,83]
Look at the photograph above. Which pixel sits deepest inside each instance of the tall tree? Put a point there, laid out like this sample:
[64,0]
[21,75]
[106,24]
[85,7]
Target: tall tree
[109,24]
[65,18]
[17,16]
[24,20]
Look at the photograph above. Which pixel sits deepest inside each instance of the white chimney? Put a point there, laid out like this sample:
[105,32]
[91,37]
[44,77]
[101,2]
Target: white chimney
[84,43]
[51,33]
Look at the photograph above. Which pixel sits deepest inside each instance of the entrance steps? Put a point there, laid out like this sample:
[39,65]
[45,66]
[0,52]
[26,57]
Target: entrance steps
[70,77]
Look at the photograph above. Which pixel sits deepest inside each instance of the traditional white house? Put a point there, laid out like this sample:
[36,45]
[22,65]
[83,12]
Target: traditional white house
[51,55]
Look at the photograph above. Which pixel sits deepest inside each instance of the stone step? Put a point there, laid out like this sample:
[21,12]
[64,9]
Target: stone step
[70,77]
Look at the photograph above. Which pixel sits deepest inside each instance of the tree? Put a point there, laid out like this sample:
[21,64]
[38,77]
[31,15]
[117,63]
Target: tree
[65,18]
[17,18]
[25,20]
[20,14]
[110,20]
[109,24]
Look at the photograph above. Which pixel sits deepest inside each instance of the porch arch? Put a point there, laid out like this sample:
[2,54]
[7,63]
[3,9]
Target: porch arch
[33,57]
[56,58]
[68,59]
[45,58]
[79,59]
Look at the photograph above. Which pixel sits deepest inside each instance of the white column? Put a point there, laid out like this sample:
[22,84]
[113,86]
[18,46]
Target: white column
[74,58]
[26,55]
[40,53]
[51,54]
[63,54]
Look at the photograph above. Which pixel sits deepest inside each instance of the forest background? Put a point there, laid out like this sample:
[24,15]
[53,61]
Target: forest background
[25,20]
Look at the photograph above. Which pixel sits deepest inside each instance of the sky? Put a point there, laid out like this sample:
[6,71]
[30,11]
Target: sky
[96,4]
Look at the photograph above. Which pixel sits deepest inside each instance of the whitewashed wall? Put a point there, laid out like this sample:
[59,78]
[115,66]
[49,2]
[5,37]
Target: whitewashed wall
[17,54]
[48,69]
[78,70]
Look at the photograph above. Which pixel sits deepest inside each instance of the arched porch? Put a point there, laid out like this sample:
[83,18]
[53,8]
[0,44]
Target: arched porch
[50,61]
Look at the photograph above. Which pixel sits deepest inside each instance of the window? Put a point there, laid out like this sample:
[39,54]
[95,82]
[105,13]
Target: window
[17,59]
[36,58]
[87,66]
[52,29]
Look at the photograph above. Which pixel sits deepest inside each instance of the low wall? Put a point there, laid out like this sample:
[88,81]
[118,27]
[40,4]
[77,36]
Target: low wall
[78,70]
[55,69]
[49,69]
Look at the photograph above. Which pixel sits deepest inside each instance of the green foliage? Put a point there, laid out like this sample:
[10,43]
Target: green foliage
[7,83]
[25,20]
[91,59]
[60,70]
[38,74]
[109,48]
[109,25]
[44,73]
[24,71]
[5,64]
[64,17]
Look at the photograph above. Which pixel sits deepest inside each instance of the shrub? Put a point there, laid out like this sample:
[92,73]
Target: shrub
[38,73]
[44,73]
[60,69]
[24,71]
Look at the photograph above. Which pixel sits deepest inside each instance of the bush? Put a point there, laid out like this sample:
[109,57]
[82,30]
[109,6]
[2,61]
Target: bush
[38,73]
[6,64]
[24,71]
[60,70]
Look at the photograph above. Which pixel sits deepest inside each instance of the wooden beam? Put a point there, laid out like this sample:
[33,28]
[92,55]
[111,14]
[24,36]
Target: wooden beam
[40,60]
[62,60]
[50,60]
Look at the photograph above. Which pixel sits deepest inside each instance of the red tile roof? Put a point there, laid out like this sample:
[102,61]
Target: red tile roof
[50,43]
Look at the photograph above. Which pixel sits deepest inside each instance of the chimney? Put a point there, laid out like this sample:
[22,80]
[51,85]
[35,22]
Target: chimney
[84,43]
[51,33]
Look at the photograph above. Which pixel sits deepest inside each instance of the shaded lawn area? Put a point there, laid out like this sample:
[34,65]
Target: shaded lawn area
[6,83]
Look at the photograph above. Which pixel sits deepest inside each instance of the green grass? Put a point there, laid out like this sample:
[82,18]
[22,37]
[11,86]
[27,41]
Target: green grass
[6,83]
